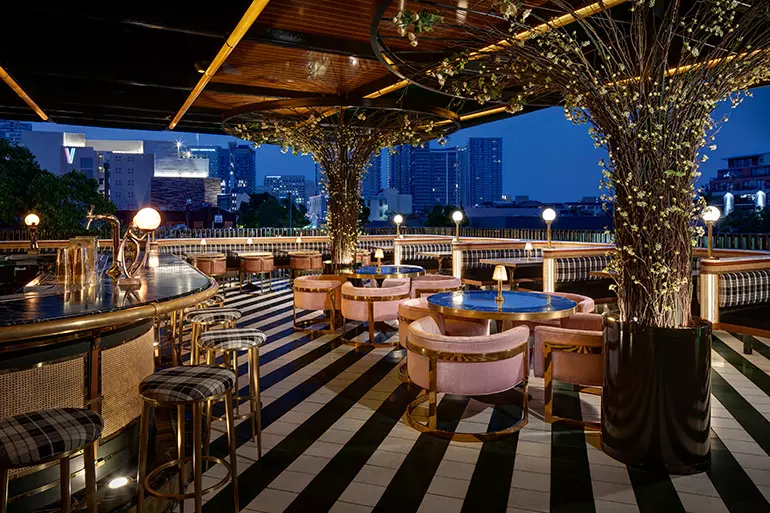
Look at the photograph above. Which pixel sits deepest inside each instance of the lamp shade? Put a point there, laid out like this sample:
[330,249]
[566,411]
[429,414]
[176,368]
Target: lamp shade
[203,242]
[500,273]
[457,216]
[398,219]
[549,215]
[528,246]
[299,240]
[711,214]
[32,220]
[379,253]
[147,219]
[249,241]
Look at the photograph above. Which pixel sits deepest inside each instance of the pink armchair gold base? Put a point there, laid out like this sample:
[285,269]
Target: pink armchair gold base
[467,365]
[571,354]
[321,293]
[371,305]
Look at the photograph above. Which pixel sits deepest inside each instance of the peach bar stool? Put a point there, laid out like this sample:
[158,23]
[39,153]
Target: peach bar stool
[370,304]
[318,292]
[212,266]
[363,257]
[572,353]
[414,309]
[428,284]
[261,264]
[465,365]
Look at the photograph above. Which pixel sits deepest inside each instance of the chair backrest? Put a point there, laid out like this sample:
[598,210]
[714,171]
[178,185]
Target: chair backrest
[436,283]
[467,365]
[585,303]
[315,292]
[744,288]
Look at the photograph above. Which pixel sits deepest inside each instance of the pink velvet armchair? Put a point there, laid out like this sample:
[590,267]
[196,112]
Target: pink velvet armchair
[371,305]
[434,283]
[318,292]
[414,309]
[571,353]
[465,365]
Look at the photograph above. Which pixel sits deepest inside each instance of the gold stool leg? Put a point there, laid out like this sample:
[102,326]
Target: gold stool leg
[144,442]
[256,416]
[180,450]
[233,453]
[197,456]
[89,463]
[210,360]
[234,361]
[65,485]
[194,343]
[3,490]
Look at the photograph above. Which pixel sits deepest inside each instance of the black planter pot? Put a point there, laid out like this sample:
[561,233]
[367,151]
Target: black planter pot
[656,397]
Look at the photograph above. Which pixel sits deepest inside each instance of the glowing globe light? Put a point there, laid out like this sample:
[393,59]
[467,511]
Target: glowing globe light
[147,219]
[549,215]
[711,214]
[32,220]
[457,216]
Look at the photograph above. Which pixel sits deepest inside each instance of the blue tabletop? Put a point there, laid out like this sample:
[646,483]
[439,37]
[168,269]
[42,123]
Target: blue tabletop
[389,269]
[516,305]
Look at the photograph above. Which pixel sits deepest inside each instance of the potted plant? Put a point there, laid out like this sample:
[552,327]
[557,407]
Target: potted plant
[646,77]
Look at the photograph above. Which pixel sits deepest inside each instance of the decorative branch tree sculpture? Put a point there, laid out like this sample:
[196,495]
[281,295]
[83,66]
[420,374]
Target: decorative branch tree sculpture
[646,76]
[341,135]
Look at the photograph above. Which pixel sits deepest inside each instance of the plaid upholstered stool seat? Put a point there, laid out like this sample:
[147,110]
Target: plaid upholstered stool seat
[42,436]
[186,384]
[198,386]
[206,318]
[229,342]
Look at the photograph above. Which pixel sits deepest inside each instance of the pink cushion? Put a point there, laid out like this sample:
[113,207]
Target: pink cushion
[433,283]
[308,300]
[467,378]
[357,309]
[569,367]
[306,262]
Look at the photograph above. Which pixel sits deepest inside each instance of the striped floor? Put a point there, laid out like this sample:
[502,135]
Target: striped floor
[334,439]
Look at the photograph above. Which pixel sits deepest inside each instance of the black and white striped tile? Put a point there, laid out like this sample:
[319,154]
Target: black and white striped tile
[334,439]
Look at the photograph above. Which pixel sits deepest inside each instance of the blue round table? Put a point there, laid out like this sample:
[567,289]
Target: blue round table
[516,306]
[372,272]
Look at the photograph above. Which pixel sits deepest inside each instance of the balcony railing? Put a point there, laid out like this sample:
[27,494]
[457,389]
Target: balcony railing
[748,241]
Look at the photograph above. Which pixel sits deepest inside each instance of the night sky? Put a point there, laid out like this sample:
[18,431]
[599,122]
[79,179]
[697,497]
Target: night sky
[545,156]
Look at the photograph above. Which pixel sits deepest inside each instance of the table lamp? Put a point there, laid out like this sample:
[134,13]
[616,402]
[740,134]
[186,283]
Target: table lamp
[711,215]
[32,220]
[203,244]
[299,242]
[549,215]
[500,275]
[528,249]
[398,219]
[249,241]
[379,254]
[457,217]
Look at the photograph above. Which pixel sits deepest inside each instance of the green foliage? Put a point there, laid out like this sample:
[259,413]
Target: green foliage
[746,221]
[265,211]
[442,216]
[62,202]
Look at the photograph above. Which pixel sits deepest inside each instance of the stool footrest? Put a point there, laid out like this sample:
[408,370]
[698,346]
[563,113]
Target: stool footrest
[182,496]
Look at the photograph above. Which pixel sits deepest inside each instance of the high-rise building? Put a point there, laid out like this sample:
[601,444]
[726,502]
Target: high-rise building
[432,176]
[371,182]
[243,168]
[12,130]
[743,185]
[283,185]
[484,178]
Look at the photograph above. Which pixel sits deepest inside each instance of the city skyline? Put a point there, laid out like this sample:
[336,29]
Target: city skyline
[526,140]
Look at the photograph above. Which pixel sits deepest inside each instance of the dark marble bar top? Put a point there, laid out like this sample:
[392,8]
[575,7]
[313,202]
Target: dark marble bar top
[171,278]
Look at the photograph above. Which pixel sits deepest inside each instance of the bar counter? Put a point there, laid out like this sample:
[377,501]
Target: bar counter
[89,347]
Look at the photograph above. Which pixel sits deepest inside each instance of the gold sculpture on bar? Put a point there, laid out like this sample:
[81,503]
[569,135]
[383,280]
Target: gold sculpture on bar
[114,271]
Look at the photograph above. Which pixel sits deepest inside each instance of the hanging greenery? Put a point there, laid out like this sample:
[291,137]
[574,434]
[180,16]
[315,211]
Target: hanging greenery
[646,77]
[411,24]
[341,135]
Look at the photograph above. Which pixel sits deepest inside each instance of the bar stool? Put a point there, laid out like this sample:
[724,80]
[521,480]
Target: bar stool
[203,320]
[230,342]
[43,436]
[305,262]
[177,324]
[261,264]
[196,385]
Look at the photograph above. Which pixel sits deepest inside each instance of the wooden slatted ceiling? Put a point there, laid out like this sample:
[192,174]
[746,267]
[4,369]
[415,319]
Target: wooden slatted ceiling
[297,70]
[345,19]
[227,101]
